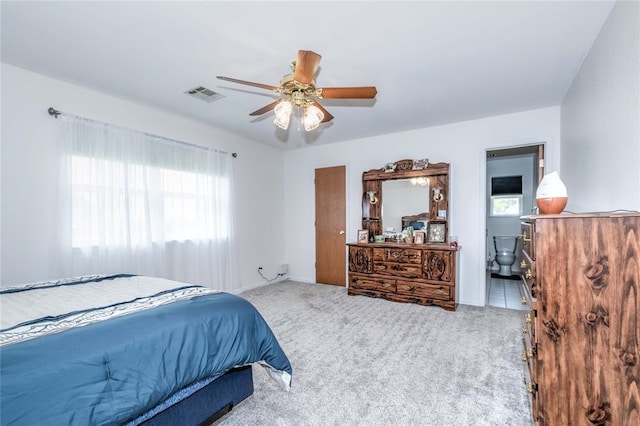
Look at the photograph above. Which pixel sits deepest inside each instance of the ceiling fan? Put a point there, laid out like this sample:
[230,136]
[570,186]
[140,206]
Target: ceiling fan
[299,90]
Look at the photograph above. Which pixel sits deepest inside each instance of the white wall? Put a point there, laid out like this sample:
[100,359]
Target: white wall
[463,145]
[601,119]
[26,204]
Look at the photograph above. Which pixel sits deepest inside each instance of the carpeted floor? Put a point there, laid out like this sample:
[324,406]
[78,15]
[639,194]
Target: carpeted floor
[363,361]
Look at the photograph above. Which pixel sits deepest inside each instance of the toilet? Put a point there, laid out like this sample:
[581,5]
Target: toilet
[505,253]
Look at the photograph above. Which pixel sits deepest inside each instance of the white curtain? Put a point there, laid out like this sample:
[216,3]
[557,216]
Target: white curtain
[130,202]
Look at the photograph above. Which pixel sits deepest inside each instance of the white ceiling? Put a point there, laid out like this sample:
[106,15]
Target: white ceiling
[432,62]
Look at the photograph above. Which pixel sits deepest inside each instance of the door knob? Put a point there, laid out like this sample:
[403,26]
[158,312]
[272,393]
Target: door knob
[342,232]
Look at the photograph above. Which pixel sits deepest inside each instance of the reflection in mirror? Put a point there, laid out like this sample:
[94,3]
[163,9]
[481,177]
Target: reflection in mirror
[402,198]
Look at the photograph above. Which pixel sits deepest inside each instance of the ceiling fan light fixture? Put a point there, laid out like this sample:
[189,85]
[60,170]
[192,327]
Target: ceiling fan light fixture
[283,114]
[312,117]
[299,89]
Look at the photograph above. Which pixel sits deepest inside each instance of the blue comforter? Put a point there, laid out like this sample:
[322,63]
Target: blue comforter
[112,371]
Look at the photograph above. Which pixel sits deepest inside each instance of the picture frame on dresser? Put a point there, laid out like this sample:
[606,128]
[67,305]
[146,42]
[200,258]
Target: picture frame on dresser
[418,237]
[437,232]
[363,236]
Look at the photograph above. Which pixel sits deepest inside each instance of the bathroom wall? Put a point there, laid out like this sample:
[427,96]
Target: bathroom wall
[510,226]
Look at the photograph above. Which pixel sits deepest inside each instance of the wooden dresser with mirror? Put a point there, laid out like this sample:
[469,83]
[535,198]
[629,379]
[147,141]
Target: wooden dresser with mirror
[407,193]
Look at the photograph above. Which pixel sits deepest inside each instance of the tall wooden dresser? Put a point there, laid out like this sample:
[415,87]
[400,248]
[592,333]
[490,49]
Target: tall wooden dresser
[582,335]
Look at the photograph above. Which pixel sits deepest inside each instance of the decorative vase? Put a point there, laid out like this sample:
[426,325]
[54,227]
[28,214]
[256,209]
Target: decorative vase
[553,205]
[551,196]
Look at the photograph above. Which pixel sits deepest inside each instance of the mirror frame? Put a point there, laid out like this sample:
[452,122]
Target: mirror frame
[437,175]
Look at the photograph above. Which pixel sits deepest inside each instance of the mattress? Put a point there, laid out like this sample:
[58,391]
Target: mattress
[106,349]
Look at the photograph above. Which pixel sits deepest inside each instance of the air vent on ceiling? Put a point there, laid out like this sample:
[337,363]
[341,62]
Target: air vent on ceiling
[204,94]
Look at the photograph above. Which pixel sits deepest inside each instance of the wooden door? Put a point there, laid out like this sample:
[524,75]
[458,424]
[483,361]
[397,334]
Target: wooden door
[330,225]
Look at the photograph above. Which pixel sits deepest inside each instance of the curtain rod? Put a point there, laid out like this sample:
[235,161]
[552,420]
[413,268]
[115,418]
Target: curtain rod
[55,113]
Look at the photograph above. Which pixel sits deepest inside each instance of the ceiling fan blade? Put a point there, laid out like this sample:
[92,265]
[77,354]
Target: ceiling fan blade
[306,66]
[327,115]
[249,83]
[264,109]
[368,92]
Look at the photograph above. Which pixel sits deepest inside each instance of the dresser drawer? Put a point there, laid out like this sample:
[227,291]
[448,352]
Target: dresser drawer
[397,255]
[527,357]
[527,233]
[529,379]
[360,260]
[525,290]
[406,270]
[439,265]
[529,325]
[529,277]
[368,283]
[434,291]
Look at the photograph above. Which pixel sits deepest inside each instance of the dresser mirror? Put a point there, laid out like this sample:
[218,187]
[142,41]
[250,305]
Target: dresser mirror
[405,203]
[405,193]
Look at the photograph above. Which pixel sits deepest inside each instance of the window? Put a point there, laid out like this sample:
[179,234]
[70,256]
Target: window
[132,202]
[506,196]
[185,196]
[506,205]
[180,202]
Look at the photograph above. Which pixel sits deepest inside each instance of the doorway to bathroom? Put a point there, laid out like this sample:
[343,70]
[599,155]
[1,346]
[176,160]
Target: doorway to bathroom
[512,177]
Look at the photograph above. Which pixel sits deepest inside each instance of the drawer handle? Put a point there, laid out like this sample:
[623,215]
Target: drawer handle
[524,237]
[523,300]
[526,355]
[440,291]
[532,387]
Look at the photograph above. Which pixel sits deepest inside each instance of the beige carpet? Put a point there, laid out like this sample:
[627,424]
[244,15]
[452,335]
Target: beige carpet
[363,361]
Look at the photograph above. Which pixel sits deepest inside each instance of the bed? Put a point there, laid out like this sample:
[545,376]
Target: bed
[127,349]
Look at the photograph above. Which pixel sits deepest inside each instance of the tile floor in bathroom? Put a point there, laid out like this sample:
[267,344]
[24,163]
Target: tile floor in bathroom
[504,293]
